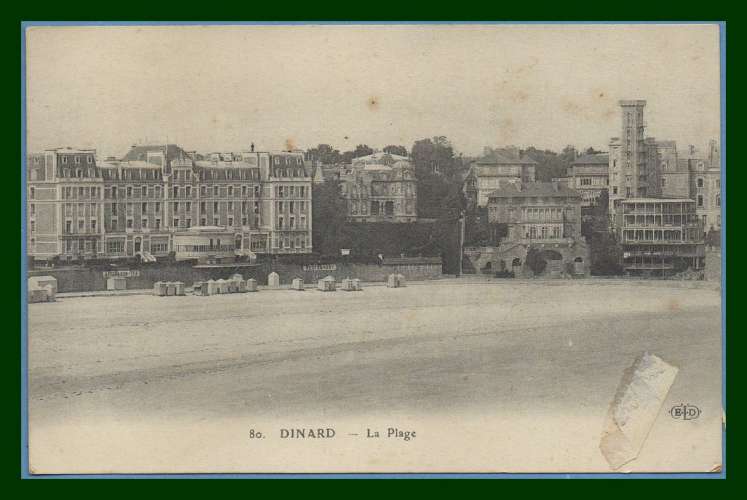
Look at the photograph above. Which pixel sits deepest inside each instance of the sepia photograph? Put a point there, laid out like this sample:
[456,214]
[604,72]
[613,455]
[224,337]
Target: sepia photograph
[373,249]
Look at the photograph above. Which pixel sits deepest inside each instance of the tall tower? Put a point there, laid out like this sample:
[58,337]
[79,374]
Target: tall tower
[633,149]
[628,155]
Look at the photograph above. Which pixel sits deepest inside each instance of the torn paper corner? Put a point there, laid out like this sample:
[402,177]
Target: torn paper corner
[642,390]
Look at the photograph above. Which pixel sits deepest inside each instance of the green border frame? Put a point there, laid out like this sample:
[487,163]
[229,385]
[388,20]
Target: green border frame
[381,11]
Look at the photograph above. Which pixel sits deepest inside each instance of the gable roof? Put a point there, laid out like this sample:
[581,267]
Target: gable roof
[499,159]
[592,159]
[379,157]
[141,152]
[535,189]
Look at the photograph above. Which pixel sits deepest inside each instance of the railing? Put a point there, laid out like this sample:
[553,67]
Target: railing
[652,266]
[680,241]
[291,250]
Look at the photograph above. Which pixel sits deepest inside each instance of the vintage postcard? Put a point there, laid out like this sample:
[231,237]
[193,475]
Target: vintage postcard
[347,248]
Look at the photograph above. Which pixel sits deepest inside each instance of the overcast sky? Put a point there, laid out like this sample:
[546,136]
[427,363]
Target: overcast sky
[211,88]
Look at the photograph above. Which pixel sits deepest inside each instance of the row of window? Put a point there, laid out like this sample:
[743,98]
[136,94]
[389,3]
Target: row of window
[80,193]
[546,214]
[671,235]
[68,209]
[205,248]
[658,220]
[83,246]
[76,159]
[543,232]
[92,226]
[127,174]
[593,181]
[290,191]
[181,192]
[290,242]
[291,222]
[113,246]
[701,201]
[243,174]
[381,189]
[288,160]
[699,182]
[133,192]
[291,206]
[186,223]
[229,206]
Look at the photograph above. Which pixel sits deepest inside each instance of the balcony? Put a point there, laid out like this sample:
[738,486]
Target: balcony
[648,267]
[81,233]
[548,240]
[291,250]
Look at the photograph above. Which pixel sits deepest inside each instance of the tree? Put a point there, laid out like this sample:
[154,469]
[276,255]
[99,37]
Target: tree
[535,261]
[434,156]
[439,188]
[569,153]
[360,150]
[324,153]
[549,164]
[329,214]
[713,237]
[605,254]
[604,250]
[396,150]
[596,218]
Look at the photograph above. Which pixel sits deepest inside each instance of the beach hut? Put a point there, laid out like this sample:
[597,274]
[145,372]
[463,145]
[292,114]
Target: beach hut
[327,284]
[297,284]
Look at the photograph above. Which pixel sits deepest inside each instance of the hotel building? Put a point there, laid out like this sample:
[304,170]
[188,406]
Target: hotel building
[659,236]
[158,201]
[380,188]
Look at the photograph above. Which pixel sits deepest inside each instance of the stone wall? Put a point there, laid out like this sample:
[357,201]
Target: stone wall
[144,276]
[139,277]
[511,257]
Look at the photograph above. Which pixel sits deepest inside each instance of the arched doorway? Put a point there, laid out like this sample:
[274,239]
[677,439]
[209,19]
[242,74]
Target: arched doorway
[554,262]
[488,268]
[389,208]
[516,265]
[578,265]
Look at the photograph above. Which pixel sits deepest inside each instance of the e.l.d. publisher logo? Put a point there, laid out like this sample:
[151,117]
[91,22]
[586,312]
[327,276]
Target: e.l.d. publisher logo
[684,412]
